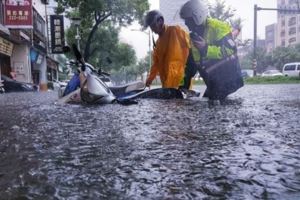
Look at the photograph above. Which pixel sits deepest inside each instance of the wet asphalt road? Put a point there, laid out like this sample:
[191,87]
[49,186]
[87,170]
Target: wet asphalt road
[246,148]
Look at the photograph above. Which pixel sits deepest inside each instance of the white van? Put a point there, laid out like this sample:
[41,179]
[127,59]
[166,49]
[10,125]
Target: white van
[291,69]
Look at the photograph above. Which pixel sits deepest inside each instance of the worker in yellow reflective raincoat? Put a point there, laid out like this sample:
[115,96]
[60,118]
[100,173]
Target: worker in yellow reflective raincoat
[213,52]
[171,51]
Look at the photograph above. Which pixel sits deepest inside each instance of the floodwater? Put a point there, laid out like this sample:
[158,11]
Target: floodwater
[245,148]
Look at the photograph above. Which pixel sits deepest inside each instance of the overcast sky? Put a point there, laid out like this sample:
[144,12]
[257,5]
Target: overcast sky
[244,10]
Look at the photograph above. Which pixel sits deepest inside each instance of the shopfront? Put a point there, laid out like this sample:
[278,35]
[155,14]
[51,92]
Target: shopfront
[52,69]
[6,48]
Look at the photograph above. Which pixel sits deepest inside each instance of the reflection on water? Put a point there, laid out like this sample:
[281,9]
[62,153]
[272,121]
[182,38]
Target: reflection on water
[244,148]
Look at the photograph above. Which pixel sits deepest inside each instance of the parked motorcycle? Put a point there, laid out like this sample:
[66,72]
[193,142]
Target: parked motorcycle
[2,90]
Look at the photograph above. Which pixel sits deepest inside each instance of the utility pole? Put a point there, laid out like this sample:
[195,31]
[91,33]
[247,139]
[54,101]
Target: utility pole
[150,59]
[76,22]
[254,62]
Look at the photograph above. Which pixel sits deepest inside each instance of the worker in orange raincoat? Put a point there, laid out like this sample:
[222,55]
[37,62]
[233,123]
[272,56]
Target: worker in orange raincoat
[170,53]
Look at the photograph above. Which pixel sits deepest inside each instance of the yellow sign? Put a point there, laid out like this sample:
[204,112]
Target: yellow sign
[6,47]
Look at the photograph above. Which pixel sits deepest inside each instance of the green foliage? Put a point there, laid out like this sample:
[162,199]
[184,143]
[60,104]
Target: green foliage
[271,80]
[124,56]
[263,80]
[276,58]
[107,52]
[282,55]
[221,11]
[143,65]
[122,11]
[97,45]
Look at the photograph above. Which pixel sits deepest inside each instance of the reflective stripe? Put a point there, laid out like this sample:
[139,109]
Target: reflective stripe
[215,31]
[214,52]
[196,54]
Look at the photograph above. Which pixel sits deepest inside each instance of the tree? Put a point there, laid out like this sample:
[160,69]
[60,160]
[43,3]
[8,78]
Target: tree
[277,58]
[124,56]
[220,11]
[95,12]
[282,55]
[143,66]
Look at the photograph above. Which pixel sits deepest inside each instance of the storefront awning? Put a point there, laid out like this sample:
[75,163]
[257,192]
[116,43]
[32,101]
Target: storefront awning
[51,63]
[6,47]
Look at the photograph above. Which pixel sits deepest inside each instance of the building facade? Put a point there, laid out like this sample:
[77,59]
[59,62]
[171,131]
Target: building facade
[23,50]
[270,37]
[288,24]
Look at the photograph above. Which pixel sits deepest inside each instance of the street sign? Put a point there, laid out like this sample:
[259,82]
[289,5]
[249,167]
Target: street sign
[57,33]
[18,14]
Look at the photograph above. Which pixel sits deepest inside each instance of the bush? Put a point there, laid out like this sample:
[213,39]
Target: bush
[271,80]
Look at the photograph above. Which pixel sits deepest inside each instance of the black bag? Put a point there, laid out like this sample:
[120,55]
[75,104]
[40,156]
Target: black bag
[222,77]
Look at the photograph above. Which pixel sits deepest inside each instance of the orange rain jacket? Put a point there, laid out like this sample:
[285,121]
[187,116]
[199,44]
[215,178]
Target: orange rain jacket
[170,56]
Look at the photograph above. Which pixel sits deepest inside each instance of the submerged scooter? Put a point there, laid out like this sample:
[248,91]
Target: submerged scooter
[93,89]
[92,86]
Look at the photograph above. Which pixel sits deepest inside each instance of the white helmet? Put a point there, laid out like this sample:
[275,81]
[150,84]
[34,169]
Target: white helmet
[197,9]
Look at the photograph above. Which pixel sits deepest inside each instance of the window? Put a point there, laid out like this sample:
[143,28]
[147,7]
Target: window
[283,43]
[292,21]
[292,31]
[291,40]
[270,34]
[283,22]
[38,23]
[282,33]
[290,67]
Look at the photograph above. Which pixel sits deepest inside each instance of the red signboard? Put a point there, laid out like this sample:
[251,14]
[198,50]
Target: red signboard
[18,13]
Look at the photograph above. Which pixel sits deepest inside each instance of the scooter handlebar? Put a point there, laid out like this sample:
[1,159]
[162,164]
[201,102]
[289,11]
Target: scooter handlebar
[100,72]
[105,73]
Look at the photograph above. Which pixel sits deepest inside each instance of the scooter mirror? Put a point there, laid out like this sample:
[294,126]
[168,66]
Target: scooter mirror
[76,52]
[100,72]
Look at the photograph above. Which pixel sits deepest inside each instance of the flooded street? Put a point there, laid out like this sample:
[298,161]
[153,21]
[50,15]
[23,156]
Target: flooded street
[245,148]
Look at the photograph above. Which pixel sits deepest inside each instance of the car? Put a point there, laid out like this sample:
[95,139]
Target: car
[247,73]
[11,85]
[272,72]
[291,69]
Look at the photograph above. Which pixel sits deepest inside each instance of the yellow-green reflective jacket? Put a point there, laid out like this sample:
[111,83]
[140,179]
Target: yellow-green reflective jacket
[217,34]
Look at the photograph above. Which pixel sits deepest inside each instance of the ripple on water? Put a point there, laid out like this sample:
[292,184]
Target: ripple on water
[244,148]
